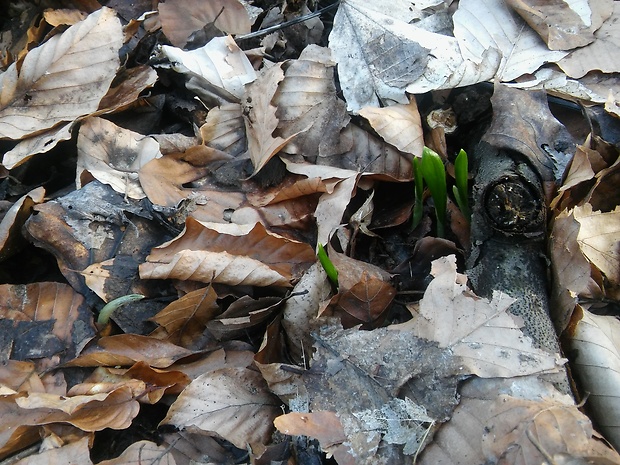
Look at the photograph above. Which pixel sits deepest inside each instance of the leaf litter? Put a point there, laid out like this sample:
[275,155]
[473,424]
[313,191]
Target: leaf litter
[205,173]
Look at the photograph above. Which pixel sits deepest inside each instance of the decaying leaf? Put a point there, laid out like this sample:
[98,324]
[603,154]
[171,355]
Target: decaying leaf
[255,257]
[62,79]
[233,403]
[11,239]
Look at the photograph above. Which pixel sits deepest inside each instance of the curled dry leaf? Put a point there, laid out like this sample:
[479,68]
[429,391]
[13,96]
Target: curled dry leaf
[113,155]
[219,69]
[183,321]
[399,125]
[232,403]
[62,79]
[309,107]
[261,120]
[224,129]
[598,237]
[144,453]
[181,18]
[596,342]
[11,238]
[257,258]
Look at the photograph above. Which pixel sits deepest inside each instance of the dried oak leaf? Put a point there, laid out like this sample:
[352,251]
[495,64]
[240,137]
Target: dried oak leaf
[62,79]
[254,257]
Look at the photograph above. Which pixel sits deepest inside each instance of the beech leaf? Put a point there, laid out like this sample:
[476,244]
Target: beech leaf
[62,79]
[233,403]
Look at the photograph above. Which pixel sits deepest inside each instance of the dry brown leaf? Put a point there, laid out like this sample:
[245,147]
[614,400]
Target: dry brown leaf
[369,154]
[95,412]
[561,26]
[482,333]
[399,125]
[364,292]
[164,180]
[596,365]
[127,349]
[57,82]
[324,426]
[598,237]
[244,316]
[180,18]
[515,425]
[233,403]
[132,82]
[203,254]
[11,238]
[20,377]
[113,155]
[307,106]
[261,120]
[185,319]
[600,54]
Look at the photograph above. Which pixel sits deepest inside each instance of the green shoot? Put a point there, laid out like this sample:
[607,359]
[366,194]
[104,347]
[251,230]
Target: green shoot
[460,189]
[328,266]
[434,174]
[418,209]
[106,312]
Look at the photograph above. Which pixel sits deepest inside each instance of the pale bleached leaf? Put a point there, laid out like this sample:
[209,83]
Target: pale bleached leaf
[225,129]
[482,333]
[220,68]
[399,125]
[233,403]
[114,155]
[62,79]
[596,342]
[600,54]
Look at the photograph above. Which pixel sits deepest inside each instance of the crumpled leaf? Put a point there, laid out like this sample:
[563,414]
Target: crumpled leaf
[307,105]
[233,403]
[219,68]
[180,18]
[261,120]
[596,340]
[225,129]
[253,257]
[11,238]
[399,125]
[143,453]
[598,237]
[113,155]
[57,82]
